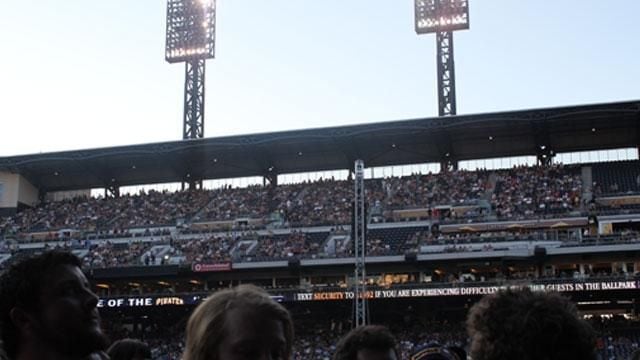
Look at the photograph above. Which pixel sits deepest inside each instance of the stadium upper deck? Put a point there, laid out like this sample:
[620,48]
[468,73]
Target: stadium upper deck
[490,209]
[539,132]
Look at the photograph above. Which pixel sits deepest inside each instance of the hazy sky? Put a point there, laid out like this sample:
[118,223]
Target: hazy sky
[91,73]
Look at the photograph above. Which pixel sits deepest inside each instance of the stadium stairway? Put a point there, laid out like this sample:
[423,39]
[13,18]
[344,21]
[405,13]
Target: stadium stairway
[197,216]
[491,182]
[587,182]
[336,244]
[3,258]
[243,248]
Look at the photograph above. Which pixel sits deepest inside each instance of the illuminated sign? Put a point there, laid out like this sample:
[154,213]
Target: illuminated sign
[198,267]
[178,300]
[465,290]
[173,300]
[418,292]
[121,302]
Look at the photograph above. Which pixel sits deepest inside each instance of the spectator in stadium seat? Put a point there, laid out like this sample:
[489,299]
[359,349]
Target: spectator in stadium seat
[237,324]
[371,342]
[526,325]
[129,349]
[48,311]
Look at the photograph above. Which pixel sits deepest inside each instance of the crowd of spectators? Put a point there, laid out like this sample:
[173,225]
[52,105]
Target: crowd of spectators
[431,190]
[522,192]
[530,192]
[204,249]
[145,209]
[324,202]
[229,203]
[108,254]
[316,338]
[296,244]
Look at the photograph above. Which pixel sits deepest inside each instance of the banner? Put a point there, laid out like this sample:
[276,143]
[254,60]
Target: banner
[160,300]
[465,290]
[198,267]
[417,292]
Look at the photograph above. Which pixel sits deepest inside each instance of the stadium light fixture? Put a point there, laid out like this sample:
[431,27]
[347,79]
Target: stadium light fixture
[443,17]
[190,38]
[190,30]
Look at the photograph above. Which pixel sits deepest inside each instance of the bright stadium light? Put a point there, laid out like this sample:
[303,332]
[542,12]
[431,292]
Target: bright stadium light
[190,39]
[190,30]
[441,15]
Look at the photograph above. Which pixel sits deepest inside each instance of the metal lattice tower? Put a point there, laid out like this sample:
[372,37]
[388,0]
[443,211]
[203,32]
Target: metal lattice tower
[190,39]
[193,124]
[446,74]
[443,17]
[359,229]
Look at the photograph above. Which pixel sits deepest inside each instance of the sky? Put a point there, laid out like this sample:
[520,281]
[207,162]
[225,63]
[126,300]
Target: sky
[78,74]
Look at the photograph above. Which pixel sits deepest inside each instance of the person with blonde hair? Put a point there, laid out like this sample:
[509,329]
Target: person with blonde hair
[237,324]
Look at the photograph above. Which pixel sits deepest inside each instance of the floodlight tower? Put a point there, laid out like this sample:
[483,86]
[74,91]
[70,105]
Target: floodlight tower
[443,17]
[191,39]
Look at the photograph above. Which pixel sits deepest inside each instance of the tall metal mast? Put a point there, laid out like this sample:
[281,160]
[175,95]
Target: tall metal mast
[359,230]
[443,17]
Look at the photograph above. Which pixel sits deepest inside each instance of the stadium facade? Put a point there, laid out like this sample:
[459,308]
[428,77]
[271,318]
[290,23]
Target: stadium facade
[436,242]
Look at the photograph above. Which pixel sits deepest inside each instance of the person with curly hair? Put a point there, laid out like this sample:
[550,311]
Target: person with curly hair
[526,325]
[370,342]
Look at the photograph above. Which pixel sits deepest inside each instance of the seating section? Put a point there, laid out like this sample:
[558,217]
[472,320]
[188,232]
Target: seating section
[110,254]
[450,188]
[203,249]
[121,231]
[525,192]
[94,214]
[296,244]
[530,192]
[392,241]
[614,178]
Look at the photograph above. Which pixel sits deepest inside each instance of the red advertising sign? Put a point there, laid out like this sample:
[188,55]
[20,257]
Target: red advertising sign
[197,267]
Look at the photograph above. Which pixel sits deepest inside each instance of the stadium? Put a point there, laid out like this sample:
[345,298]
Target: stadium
[437,237]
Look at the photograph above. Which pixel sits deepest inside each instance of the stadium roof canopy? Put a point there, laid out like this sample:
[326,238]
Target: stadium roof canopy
[462,137]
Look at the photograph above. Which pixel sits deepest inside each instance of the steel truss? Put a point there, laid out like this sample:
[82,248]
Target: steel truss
[359,230]
[446,74]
